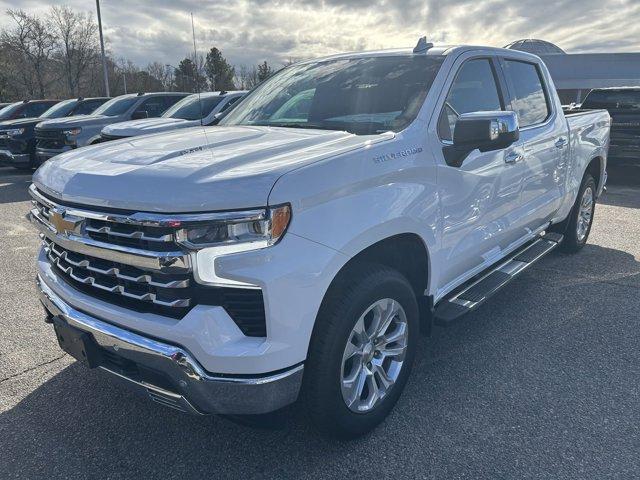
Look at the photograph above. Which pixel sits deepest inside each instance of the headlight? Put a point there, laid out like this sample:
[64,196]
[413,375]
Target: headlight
[238,230]
[72,132]
[14,132]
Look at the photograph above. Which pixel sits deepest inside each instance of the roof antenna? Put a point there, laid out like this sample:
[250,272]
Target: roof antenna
[195,68]
[422,46]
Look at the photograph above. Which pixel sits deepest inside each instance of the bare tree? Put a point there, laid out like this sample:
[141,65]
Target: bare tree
[77,35]
[32,45]
[247,77]
[162,73]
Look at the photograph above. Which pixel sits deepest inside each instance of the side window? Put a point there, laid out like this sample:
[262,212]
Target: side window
[35,109]
[229,104]
[154,106]
[473,90]
[170,101]
[530,101]
[85,108]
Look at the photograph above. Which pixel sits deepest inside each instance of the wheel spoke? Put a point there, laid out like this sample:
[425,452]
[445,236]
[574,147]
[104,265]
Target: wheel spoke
[373,355]
[352,391]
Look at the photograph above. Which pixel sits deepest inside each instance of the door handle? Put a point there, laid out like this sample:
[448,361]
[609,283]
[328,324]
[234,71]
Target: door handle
[561,142]
[513,157]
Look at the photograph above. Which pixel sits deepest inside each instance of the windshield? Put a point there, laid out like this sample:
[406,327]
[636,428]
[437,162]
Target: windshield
[115,106]
[61,109]
[364,95]
[189,108]
[7,111]
[613,99]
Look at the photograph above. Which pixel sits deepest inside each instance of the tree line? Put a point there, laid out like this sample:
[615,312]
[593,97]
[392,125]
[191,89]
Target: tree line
[58,56]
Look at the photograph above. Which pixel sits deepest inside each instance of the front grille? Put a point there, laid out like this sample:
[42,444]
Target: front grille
[49,138]
[169,291]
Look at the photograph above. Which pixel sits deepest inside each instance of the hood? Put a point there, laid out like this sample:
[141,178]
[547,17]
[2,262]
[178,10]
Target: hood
[20,122]
[77,121]
[147,125]
[190,170]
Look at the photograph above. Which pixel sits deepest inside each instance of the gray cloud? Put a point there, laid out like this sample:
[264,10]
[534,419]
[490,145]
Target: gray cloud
[249,31]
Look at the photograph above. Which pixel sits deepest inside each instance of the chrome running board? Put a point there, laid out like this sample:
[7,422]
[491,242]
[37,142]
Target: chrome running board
[474,293]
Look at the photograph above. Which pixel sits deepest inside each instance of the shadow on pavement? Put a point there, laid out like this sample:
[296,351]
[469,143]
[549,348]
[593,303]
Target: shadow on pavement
[14,186]
[537,381]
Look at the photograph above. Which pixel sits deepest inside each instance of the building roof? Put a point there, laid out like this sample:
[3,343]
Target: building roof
[535,46]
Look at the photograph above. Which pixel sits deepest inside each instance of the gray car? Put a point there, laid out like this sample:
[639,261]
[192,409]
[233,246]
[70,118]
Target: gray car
[60,135]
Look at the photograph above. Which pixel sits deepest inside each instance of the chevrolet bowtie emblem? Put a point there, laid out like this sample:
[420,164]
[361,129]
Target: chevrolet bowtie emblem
[62,223]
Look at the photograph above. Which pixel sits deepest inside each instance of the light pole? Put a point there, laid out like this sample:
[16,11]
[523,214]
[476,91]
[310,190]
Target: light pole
[104,59]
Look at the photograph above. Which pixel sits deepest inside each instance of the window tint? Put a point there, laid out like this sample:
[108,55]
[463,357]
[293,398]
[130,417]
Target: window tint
[154,106]
[473,90]
[61,109]
[229,104]
[530,102]
[613,99]
[36,109]
[87,107]
[116,106]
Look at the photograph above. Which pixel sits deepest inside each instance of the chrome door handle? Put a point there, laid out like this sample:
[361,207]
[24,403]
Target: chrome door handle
[561,142]
[513,157]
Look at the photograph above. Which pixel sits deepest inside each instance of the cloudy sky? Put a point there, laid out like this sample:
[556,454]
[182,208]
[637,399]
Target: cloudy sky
[249,31]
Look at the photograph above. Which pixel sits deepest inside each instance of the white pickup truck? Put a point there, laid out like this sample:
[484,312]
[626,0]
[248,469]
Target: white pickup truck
[299,249]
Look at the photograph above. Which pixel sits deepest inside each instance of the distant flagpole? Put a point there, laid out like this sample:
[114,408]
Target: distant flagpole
[104,59]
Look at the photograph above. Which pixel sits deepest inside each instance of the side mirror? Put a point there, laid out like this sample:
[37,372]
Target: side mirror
[485,131]
[139,115]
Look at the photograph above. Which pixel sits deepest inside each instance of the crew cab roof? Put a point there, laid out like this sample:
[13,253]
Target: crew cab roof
[436,50]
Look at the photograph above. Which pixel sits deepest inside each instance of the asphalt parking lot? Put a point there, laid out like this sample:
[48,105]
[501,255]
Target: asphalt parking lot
[542,382]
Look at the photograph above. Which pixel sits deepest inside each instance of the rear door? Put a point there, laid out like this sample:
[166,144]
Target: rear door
[480,198]
[544,134]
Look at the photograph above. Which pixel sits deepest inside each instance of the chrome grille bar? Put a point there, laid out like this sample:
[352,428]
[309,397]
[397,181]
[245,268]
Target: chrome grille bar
[61,259]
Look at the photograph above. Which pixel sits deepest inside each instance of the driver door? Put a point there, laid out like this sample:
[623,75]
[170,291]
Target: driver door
[479,199]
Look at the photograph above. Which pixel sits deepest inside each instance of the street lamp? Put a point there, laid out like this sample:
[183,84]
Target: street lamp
[104,58]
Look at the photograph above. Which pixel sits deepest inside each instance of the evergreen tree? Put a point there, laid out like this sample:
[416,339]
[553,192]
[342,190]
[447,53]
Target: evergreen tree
[218,71]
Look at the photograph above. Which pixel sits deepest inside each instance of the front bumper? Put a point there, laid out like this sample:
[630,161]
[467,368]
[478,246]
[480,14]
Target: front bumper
[44,154]
[173,377]
[14,159]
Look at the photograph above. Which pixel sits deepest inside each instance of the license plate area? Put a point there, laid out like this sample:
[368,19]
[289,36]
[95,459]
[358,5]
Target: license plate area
[80,345]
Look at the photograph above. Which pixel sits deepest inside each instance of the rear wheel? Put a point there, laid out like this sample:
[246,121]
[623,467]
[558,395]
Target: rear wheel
[361,352]
[577,226]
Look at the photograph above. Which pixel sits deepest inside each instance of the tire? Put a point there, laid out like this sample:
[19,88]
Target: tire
[371,288]
[576,227]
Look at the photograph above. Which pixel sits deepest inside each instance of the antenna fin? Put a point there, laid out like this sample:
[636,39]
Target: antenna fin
[422,46]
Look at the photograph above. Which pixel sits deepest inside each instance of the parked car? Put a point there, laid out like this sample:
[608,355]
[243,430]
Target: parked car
[196,109]
[4,104]
[17,137]
[236,268]
[60,135]
[623,105]
[25,109]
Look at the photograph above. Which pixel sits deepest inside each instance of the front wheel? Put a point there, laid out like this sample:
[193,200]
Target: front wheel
[361,352]
[578,225]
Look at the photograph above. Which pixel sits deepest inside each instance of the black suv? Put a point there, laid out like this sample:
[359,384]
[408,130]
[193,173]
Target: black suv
[623,105]
[17,137]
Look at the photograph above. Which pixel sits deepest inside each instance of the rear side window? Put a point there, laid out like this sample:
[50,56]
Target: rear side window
[36,109]
[85,108]
[530,101]
[613,99]
[154,106]
[473,90]
[229,104]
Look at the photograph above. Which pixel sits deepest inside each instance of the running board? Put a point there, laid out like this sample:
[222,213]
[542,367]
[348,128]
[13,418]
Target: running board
[475,292]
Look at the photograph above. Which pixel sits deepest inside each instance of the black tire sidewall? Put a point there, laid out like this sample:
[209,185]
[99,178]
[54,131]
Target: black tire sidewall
[322,379]
[571,242]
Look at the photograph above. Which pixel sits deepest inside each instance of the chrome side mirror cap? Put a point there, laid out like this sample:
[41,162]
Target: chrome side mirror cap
[485,131]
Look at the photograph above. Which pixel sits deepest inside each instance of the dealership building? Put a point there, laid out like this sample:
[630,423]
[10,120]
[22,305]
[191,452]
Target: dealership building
[575,74]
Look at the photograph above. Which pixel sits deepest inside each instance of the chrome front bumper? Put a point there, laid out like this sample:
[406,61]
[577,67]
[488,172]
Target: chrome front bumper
[192,389]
